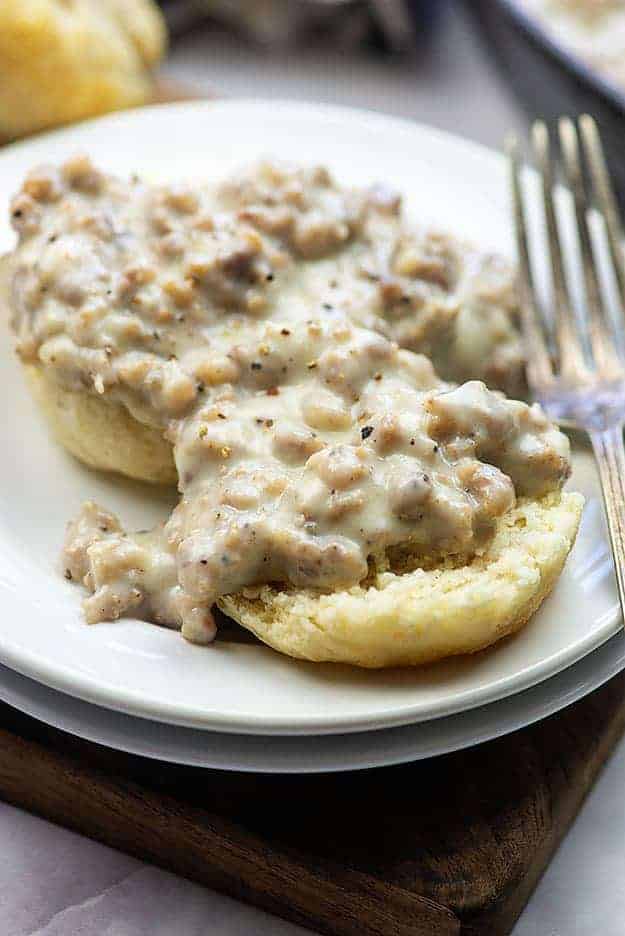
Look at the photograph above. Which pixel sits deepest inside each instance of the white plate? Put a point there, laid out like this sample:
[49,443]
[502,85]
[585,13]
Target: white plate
[355,751]
[243,686]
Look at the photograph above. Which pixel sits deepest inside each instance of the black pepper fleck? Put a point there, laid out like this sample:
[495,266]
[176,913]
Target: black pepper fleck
[365,432]
[68,575]
[256,365]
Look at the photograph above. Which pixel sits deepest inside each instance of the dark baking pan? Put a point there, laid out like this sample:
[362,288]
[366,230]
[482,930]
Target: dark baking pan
[548,79]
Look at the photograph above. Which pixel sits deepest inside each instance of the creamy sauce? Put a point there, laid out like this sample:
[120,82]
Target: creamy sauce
[253,323]
[135,290]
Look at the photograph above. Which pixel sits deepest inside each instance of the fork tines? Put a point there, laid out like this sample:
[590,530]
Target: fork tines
[556,346]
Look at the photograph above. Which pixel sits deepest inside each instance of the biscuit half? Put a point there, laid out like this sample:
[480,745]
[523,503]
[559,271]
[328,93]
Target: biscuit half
[408,612]
[101,432]
[403,618]
[61,62]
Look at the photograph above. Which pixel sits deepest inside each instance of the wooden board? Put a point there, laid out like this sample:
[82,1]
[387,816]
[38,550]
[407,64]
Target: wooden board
[448,846]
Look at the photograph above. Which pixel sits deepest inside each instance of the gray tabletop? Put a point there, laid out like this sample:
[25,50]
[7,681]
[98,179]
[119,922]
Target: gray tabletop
[55,883]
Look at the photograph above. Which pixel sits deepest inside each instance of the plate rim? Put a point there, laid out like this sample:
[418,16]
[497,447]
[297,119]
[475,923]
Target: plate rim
[35,666]
[536,703]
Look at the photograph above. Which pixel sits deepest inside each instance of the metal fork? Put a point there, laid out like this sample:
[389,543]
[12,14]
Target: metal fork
[573,368]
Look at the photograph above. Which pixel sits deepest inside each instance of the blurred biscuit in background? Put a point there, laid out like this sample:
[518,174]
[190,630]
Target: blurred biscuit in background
[64,60]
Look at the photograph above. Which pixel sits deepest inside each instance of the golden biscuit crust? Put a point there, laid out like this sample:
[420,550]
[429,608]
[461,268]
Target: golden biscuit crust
[61,62]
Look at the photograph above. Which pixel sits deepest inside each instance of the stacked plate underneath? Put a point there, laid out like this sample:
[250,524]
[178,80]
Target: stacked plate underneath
[239,705]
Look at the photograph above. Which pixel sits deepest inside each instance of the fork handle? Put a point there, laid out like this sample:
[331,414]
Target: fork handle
[610,455]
